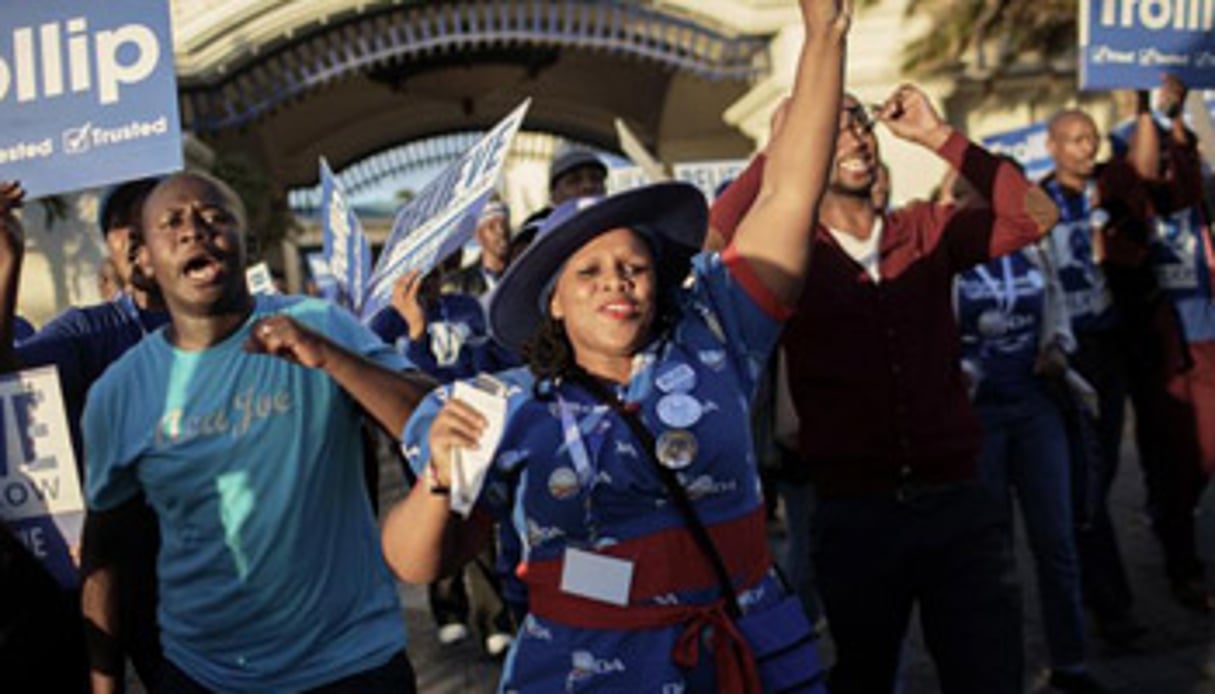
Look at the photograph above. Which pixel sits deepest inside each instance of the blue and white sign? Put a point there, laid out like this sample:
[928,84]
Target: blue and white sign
[318,268]
[347,251]
[260,280]
[1127,44]
[40,498]
[705,175]
[622,178]
[443,217]
[88,95]
[709,175]
[1026,146]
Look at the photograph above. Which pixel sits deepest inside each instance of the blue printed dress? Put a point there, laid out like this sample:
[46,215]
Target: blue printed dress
[697,380]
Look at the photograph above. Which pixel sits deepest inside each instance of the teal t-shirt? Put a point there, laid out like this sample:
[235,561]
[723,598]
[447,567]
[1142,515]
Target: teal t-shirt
[270,568]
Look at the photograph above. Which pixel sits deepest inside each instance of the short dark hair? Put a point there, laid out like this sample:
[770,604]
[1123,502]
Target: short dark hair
[122,204]
[1053,124]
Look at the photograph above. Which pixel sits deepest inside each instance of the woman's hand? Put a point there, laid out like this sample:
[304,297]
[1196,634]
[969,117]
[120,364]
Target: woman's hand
[834,15]
[406,301]
[910,116]
[457,425]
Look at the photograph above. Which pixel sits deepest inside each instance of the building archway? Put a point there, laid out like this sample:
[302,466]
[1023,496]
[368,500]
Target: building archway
[357,78]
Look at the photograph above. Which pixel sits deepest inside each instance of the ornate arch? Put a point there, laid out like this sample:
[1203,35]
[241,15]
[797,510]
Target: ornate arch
[396,41]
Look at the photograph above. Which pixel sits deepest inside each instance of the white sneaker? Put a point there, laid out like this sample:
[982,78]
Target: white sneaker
[452,633]
[497,643]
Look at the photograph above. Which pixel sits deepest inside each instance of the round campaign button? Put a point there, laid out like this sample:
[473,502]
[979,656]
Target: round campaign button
[679,410]
[993,323]
[563,483]
[1099,218]
[679,379]
[676,448]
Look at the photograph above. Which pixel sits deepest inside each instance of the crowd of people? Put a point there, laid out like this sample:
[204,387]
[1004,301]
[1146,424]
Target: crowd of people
[914,371]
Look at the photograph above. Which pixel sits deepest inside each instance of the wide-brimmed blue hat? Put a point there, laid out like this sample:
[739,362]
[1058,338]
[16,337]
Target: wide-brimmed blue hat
[673,217]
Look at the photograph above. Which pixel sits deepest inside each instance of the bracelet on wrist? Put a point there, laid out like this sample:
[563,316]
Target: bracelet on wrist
[434,484]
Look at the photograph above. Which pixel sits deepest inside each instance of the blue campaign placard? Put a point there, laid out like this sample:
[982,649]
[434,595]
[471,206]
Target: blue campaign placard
[443,217]
[1027,146]
[88,94]
[347,251]
[1128,44]
[318,268]
[40,496]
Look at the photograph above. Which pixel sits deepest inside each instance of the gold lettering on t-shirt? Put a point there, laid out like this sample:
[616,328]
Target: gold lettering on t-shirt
[247,408]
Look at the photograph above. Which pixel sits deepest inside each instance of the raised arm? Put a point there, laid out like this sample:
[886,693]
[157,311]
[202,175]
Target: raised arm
[422,539]
[1018,212]
[1143,153]
[12,251]
[775,236]
[388,396]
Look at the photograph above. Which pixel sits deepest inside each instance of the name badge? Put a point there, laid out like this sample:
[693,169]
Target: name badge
[596,576]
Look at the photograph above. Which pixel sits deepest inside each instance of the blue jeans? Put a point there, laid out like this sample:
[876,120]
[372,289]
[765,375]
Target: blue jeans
[1025,448]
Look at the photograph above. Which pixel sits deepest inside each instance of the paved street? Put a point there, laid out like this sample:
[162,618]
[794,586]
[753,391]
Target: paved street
[1177,656]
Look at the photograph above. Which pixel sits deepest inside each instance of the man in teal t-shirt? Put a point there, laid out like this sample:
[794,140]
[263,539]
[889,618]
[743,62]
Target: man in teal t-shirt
[239,422]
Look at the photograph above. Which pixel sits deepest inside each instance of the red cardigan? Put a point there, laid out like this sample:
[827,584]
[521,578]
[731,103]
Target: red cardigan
[873,367]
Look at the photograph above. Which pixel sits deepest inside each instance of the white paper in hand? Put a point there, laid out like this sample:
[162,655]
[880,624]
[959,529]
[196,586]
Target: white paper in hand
[486,395]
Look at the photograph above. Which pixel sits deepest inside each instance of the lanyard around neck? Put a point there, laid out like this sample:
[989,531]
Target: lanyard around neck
[1006,296]
[1087,197]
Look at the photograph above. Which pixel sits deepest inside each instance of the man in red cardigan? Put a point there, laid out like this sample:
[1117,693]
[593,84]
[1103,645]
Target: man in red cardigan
[886,427]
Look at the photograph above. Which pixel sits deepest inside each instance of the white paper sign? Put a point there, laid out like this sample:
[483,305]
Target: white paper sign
[469,467]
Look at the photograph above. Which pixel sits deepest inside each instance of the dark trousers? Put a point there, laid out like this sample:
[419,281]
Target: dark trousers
[1190,454]
[394,677]
[118,558]
[948,550]
[1101,358]
[41,637]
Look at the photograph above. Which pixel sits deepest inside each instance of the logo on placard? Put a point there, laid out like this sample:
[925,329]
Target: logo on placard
[1193,15]
[22,435]
[35,69]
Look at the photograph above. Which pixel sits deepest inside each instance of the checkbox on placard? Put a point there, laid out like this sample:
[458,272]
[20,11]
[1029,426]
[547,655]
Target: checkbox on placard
[77,140]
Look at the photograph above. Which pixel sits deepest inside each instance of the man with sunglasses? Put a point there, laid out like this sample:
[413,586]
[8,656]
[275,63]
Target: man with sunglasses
[886,428]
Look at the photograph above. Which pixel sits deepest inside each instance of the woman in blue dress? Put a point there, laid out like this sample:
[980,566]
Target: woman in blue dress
[638,382]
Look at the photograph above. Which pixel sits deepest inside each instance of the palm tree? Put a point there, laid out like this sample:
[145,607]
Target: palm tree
[990,37]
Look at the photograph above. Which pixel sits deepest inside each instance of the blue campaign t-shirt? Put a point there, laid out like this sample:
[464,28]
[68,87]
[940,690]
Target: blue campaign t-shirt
[271,574]
[82,343]
[1179,248]
[22,329]
[1085,289]
[694,388]
[1000,306]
